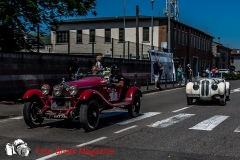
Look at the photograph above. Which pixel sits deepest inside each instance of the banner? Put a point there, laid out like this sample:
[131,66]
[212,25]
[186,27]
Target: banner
[167,61]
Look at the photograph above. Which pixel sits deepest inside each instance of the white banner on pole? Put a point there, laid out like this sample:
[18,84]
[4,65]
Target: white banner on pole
[167,61]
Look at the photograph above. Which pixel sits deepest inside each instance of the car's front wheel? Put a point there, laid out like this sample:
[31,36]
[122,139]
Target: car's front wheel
[189,100]
[89,115]
[222,100]
[134,108]
[31,114]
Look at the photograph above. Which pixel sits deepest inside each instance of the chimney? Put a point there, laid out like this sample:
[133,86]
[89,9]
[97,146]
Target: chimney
[218,40]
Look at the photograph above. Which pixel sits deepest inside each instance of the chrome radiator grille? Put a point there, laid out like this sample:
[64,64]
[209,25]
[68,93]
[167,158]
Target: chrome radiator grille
[62,102]
[205,89]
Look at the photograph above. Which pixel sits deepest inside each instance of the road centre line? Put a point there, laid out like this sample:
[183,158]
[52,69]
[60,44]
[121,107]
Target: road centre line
[181,109]
[125,129]
[146,115]
[209,124]
[64,151]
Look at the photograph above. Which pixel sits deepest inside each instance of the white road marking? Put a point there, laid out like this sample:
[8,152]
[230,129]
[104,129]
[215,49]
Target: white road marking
[18,117]
[148,94]
[181,109]
[64,151]
[146,115]
[125,129]
[171,120]
[210,123]
[235,90]
[237,129]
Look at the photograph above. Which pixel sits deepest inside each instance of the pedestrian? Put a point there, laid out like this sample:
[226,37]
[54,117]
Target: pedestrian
[160,72]
[99,63]
[179,73]
[188,72]
[73,67]
[156,72]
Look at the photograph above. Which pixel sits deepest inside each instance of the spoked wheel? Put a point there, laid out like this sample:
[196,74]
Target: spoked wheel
[189,100]
[31,116]
[222,100]
[134,108]
[89,115]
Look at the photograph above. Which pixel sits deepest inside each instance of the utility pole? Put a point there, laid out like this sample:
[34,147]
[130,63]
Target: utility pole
[137,33]
[169,28]
[124,10]
[38,37]
[152,27]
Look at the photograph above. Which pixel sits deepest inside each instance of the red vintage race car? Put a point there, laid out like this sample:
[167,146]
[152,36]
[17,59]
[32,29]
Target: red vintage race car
[82,99]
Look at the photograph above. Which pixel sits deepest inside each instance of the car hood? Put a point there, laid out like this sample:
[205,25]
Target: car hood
[88,81]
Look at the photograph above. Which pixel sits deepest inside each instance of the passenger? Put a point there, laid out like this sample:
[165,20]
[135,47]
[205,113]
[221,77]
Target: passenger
[115,77]
[95,70]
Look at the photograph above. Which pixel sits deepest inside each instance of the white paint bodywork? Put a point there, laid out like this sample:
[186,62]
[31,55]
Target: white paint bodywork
[205,91]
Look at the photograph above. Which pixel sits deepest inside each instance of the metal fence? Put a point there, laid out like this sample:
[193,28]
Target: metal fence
[113,48]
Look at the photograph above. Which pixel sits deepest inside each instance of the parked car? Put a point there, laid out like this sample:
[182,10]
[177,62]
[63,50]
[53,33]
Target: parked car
[82,99]
[208,88]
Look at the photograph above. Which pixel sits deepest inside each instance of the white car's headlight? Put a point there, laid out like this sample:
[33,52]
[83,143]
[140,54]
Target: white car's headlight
[57,90]
[45,89]
[73,90]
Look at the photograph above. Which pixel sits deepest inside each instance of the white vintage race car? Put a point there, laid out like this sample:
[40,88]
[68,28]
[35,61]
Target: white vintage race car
[207,89]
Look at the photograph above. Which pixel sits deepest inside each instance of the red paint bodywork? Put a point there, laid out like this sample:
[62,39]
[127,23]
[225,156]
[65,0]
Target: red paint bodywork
[89,87]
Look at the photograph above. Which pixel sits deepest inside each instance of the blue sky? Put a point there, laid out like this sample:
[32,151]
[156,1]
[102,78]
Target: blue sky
[219,18]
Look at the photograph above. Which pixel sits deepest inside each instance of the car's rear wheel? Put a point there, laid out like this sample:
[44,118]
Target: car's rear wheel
[189,100]
[89,115]
[134,108]
[222,100]
[31,114]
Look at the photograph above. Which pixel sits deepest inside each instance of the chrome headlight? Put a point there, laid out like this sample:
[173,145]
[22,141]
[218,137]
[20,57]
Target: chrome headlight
[57,90]
[73,90]
[45,89]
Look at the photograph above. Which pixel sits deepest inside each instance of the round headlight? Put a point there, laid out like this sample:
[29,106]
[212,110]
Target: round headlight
[45,89]
[57,90]
[214,87]
[73,90]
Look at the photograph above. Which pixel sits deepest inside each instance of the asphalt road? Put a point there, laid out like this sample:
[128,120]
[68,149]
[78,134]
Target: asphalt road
[166,129]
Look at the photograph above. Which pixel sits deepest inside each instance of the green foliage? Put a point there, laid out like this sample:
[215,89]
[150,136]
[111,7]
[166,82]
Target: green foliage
[231,76]
[23,16]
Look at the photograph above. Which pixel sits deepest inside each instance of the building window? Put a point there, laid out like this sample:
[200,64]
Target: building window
[79,36]
[199,42]
[121,34]
[191,40]
[175,38]
[145,33]
[107,35]
[62,36]
[92,36]
[186,39]
[182,37]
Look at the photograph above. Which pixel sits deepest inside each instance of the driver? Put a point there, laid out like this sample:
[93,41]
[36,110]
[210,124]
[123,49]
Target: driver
[116,78]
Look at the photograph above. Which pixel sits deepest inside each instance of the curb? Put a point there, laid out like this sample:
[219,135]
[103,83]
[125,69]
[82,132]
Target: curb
[163,89]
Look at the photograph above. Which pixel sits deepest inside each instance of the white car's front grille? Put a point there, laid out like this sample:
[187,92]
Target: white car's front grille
[205,89]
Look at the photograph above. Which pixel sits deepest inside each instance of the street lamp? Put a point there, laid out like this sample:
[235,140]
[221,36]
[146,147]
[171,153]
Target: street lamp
[124,29]
[152,26]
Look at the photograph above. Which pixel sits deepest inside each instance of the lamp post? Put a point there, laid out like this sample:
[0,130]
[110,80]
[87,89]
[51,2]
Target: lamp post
[124,10]
[152,26]
[169,28]
[38,36]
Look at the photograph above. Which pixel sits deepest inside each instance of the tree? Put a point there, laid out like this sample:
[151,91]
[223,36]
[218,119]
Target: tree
[18,17]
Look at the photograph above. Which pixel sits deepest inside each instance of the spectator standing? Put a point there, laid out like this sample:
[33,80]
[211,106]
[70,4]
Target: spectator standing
[156,72]
[179,73]
[187,72]
[160,72]
[73,67]
[99,63]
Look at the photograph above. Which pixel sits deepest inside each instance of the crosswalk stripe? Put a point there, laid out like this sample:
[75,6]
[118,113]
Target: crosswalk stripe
[210,123]
[145,115]
[170,121]
[237,129]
